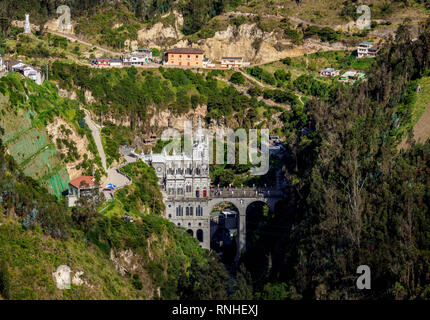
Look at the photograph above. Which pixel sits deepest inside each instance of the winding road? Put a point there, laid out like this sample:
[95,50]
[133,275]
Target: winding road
[114,175]
[95,130]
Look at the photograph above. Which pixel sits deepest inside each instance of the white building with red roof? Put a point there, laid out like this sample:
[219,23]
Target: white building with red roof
[82,186]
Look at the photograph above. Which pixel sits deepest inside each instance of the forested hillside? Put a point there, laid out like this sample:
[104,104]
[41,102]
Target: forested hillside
[150,258]
[112,23]
[358,201]
[354,196]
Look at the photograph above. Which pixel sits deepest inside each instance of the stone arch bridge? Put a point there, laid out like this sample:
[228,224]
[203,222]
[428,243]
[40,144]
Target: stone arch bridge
[197,219]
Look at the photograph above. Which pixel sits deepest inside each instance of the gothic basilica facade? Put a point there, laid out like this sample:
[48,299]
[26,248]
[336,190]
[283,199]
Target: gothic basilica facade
[185,182]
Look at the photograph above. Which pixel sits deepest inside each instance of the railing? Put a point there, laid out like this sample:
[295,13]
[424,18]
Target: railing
[244,193]
[228,193]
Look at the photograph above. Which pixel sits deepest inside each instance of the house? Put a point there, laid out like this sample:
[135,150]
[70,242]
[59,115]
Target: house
[102,62]
[34,73]
[366,49]
[231,62]
[329,72]
[28,71]
[351,76]
[207,63]
[115,62]
[9,64]
[82,186]
[146,52]
[136,59]
[184,57]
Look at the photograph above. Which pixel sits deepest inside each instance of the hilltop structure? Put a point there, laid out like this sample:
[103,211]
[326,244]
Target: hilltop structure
[367,49]
[27,27]
[184,57]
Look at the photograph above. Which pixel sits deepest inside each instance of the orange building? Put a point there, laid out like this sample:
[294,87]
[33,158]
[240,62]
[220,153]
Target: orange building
[184,57]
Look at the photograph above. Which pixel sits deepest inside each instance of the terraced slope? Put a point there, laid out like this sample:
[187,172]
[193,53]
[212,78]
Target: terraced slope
[25,111]
[31,148]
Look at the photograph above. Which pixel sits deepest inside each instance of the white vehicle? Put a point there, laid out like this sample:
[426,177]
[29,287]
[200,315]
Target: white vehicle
[230,214]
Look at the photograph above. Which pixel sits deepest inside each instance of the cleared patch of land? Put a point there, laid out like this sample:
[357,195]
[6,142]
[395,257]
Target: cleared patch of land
[421,113]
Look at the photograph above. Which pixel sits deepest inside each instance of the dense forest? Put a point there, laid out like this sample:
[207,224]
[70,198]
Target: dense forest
[358,200]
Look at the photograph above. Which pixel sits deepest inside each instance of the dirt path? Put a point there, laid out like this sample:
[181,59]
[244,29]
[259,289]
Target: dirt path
[244,91]
[76,39]
[95,130]
[422,128]
[252,79]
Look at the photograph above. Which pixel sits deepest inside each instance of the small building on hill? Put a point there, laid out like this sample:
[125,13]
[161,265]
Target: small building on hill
[366,49]
[28,71]
[136,58]
[184,57]
[231,62]
[146,52]
[102,62]
[329,72]
[115,62]
[80,187]
[352,76]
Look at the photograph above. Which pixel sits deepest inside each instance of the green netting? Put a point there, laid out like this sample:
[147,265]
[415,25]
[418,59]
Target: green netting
[59,182]
[27,145]
[42,165]
[15,126]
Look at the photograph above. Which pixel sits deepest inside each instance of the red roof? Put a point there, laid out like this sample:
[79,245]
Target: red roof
[185,50]
[83,182]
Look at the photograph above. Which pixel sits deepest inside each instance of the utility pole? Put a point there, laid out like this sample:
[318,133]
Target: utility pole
[307,62]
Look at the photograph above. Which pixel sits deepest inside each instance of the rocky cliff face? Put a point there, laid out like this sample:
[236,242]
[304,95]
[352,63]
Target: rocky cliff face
[247,40]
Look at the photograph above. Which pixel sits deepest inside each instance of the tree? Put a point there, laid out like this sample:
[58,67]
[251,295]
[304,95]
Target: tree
[243,290]
[204,281]
[4,280]
[237,78]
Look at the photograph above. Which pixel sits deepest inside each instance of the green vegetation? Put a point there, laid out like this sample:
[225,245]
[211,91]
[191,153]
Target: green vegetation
[144,194]
[38,234]
[112,26]
[237,78]
[26,109]
[325,33]
[359,201]
[140,93]
[422,99]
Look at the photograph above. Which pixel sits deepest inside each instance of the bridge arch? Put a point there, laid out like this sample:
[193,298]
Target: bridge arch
[242,204]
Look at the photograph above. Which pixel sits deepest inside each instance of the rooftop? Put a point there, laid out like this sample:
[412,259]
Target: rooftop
[185,50]
[83,182]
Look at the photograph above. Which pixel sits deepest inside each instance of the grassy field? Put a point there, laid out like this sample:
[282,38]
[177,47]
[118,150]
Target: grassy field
[423,100]
[33,257]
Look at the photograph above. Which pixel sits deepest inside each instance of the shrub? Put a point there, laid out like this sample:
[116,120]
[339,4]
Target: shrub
[4,280]
[237,78]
